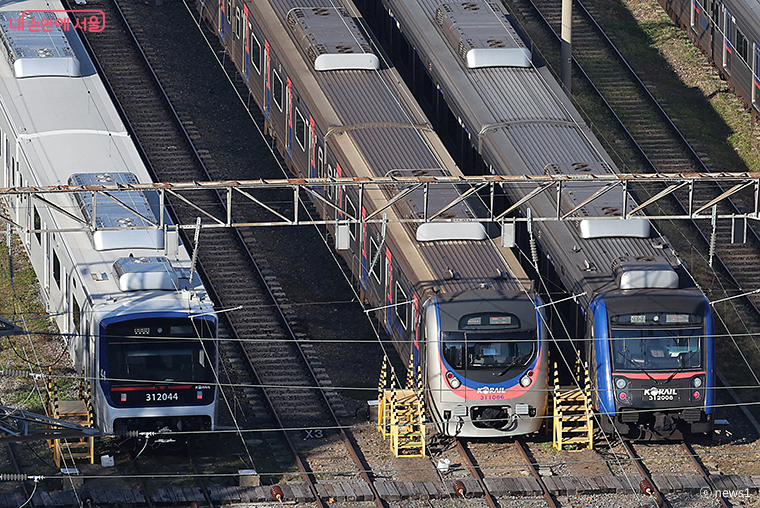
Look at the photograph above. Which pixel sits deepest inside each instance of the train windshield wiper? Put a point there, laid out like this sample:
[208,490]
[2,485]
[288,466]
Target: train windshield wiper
[682,367]
[515,361]
[637,366]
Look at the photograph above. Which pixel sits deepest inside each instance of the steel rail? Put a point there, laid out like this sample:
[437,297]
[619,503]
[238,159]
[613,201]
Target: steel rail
[647,486]
[698,465]
[477,474]
[521,449]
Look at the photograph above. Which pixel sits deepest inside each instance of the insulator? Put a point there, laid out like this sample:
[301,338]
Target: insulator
[16,372]
[646,487]
[459,488]
[10,477]
[276,493]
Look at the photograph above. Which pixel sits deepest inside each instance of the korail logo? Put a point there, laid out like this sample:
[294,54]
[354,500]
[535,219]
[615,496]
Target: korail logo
[39,20]
[655,393]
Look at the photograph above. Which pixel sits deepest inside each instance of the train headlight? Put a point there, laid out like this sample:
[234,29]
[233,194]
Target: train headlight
[454,381]
[621,383]
[525,381]
[697,382]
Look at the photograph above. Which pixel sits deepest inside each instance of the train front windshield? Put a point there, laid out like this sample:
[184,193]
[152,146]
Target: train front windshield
[161,350]
[656,341]
[489,357]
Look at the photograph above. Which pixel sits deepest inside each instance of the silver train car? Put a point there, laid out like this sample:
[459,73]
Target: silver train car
[728,32]
[136,321]
[449,296]
[644,328]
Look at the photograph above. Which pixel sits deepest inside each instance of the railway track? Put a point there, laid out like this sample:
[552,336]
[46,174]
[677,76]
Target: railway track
[661,145]
[291,393]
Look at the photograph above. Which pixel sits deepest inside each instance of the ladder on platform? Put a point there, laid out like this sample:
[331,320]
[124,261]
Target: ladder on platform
[573,416]
[401,413]
[75,411]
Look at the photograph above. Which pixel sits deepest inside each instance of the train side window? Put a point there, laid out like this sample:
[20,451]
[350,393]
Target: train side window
[56,269]
[300,129]
[330,188]
[372,253]
[277,89]
[320,164]
[742,44]
[228,11]
[351,210]
[402,308]
[238,23]
[76,312]
[255,53]
[37,224]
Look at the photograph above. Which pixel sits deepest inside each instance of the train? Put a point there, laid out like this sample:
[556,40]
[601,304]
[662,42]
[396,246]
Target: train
[114,274]
[728,32]
[635,316]
[446,292]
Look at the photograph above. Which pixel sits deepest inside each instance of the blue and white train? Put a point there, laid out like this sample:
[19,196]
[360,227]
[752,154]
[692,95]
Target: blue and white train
[639,320]
[136,318]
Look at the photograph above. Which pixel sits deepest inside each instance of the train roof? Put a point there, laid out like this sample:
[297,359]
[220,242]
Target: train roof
[66,125]
[367,128]
[523,123]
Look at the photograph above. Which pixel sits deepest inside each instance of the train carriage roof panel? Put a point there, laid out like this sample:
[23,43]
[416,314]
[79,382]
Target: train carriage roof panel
[65,126]
[459,273]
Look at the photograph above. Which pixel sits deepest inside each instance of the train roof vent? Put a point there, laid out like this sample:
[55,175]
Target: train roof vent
[644,272]
[331,39]
[481,34]
[36,46]
[436,231]
[145,274]
[117,213]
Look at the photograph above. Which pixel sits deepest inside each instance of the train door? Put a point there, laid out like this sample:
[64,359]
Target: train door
[289,117]
[728,48]
[76,346]
[267,81]
[225,11]
[388,291]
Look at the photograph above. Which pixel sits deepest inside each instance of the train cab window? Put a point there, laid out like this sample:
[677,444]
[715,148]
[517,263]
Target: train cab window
[487,356]
[37,224]
[300,129]
[742,45]
[402,308]
[277,89]
[375,269]
[56,269]
[255,52]
[656,341]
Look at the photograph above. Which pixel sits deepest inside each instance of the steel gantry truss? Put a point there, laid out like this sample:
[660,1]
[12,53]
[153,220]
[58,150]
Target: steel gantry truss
[396,188]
